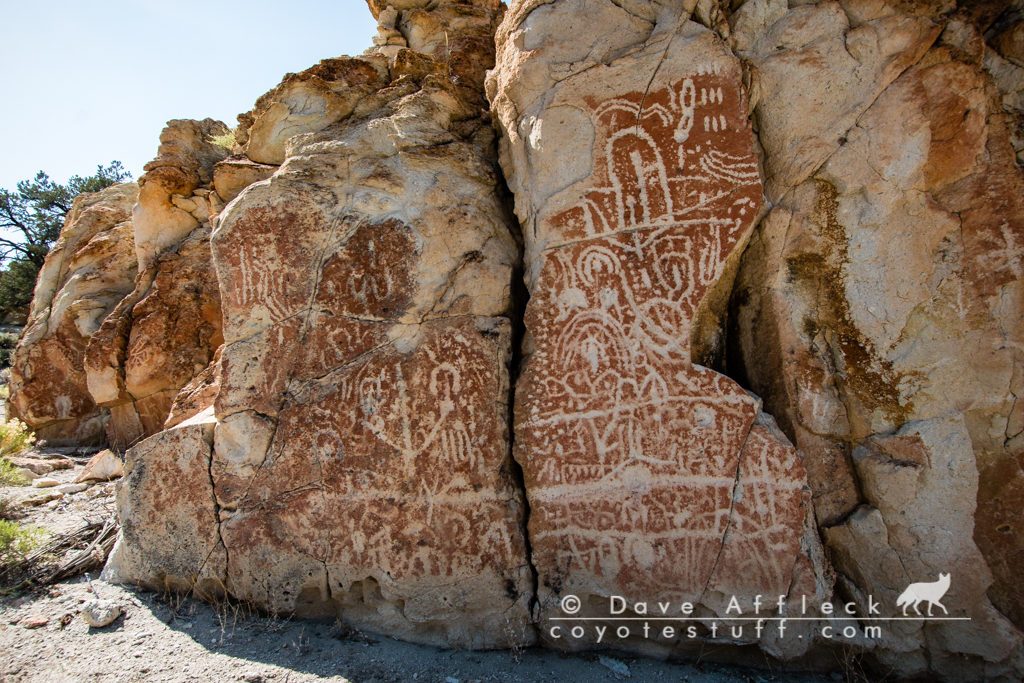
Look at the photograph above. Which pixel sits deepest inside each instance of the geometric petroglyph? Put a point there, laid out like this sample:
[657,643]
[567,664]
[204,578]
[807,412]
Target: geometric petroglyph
[393,467]
[361,458]
[631,453]
[360,461]
[677,157]
[356,446]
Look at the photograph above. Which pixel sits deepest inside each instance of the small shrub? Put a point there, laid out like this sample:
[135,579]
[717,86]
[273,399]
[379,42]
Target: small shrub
[15,437]
[7,343]
[17,541]
[8,509]
[227,140]
[9,474]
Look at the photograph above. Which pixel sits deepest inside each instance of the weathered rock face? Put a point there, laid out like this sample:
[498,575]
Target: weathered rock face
[646,474]
[174,196]
[360,459]
[920,484]
[165,497]
[198,395]
[90,268]
[819,202]
[167,330]
[878,309]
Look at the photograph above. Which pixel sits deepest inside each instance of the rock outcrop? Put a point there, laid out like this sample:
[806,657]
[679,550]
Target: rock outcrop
[356,459]
[878,310]
[647,474]
[761,314]
[166,331]
[87,272]
[165,506]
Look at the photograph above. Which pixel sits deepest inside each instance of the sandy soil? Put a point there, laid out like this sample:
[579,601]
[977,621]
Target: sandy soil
[70,512]
[175,639]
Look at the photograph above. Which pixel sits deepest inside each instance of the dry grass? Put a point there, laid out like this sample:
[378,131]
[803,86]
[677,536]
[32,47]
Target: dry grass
[227,140]
[8,508]
[9,474]
[66,555]
[15,437]
[17,541]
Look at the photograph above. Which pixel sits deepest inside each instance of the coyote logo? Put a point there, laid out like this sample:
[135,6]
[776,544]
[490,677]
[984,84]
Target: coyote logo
[917,593]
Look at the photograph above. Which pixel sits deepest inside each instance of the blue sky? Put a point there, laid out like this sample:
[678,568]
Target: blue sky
[84,83]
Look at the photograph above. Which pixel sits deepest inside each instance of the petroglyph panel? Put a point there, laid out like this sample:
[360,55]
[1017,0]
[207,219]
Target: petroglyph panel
[679,156]
[770,504]
[393,467]
[371,275]
[267,261]
[361,459]
[646,473]
[365,277]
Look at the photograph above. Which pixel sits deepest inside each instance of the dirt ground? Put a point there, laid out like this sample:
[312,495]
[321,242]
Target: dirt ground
[67,514]
[174,639]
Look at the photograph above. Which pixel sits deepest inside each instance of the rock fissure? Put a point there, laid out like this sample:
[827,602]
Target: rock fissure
[725,533]
[219,544]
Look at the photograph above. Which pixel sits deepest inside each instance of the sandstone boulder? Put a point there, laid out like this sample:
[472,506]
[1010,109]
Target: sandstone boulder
[198,395]
[802,117]
[166,331]
[166,213]
[168,520]
[648,476]
[308,102]
[40,465]
[87,272]
[920,485]
[236,173]
[359,464]
[880,301]
[817,202]
[103,466]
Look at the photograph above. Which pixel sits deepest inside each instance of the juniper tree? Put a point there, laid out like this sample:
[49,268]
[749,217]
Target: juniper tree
[31,218]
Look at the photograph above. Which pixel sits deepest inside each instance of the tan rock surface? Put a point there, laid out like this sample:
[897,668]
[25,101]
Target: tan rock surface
[882,295]
[236,173]
[920,484]
[645,472]
[184,163]
[198,395]
[360,461]
[103,466]
[166,331]
[801,116]
[87,272]
[165,499]
[836,181]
